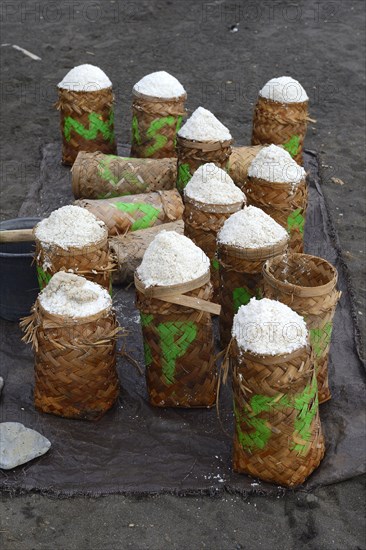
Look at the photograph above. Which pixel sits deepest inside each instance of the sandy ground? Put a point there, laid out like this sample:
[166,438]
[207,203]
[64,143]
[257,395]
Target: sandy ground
[321,44]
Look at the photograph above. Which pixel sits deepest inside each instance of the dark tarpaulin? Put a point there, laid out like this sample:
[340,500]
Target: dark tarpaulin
[138,449]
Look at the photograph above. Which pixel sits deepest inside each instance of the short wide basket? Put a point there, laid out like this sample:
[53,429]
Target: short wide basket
[278,436]
[178,345]
[307,284]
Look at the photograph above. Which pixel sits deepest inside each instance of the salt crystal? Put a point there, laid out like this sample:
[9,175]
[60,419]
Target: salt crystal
[202,125]
[212,185]
[268,327]
[275,164]
[85,78]
[160,84]
[284,89]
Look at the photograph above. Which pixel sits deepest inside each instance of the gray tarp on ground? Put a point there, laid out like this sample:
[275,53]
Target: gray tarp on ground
[137,449]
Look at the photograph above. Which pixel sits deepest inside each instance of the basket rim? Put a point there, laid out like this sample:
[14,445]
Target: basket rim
[75,250]
[66,320]
[84,92]
[277,184]
[214,208]
[156,99]
[283,104]
[260,253]
[171,290]
[209,145]
[272,359]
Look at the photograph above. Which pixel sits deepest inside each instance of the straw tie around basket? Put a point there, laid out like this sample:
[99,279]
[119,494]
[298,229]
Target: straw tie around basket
[87,122]
[307,284]
[278,435]
[285,203]
[75,362]
[282,124]
[192,154]
[99,176]
[155,123]
[178,343]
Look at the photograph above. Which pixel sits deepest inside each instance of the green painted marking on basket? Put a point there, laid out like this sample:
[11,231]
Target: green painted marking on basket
[175,339]
[184,175]
[293,145]
[215,264]
[306,415]
[153,133]
[177,128]
[43,277]
[241,297]
[104,169]
[320,338]
[296,221]
[96,125]
[135,131]
[258,439]
[147,354]
[146,319]
[148,219]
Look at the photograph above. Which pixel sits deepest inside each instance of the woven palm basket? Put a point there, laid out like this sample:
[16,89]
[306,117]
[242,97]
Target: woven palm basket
[202,222]
[99,176]
[239,162]
[308,285]
[75,362]
[87,122]
[94,261]
[192,154]
[241,279]
[278,436]
[282,124]
[285,204]
[123,214]
[178,344]
[155,123]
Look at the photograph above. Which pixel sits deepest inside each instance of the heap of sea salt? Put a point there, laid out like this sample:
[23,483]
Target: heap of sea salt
[159,84]
[268,327]
[202,125]
[251,228]
[284,89]
[212,185]
[73,296]
[275,164]
[172,259]
[70,226]
[85,78]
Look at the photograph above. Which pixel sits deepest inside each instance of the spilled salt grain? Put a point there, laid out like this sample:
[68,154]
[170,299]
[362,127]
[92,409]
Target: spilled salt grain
[172,259]
[275,164]
[85,78]
[73,296]
[70,226]
[159,84]
[268,327]
[251,228]
[202,125]
[212,185]
[284,89]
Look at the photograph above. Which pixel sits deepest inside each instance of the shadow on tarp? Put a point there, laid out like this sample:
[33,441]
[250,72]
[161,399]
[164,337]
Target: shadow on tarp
[137,449]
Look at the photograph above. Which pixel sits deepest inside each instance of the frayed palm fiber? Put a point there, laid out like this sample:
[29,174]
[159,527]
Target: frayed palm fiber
[179,347]
[284,203]
[307,284]
[202,222]
[123,214]
[241,279]
[99,176]
[87,122]
[239,162]
[278,436]
[94,261]
[75,362]
[192,154]
[155,123]
[282,124]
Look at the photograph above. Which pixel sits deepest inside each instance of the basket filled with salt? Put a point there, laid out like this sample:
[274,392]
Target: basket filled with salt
[173,293]
[281,116]
[86,105]
[308,285]
[72,239]
[277,185]
[203,138]
[210,197]
[157,114]
[247,239]
[278,436]
[73,331]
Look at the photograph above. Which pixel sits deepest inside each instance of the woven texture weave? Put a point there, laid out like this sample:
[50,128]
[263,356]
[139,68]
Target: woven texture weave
[239,162]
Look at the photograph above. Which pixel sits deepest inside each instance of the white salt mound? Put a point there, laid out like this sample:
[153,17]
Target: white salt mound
[73,296]
[202,125]
[251,228]
[85,78]
[284,89]
[268,327]
[172,259]
[212,185]
[70,226]
[159,84]
[275,164]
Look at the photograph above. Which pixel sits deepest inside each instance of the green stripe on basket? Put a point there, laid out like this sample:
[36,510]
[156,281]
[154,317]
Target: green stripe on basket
[147,220]
[96,125]
[175,339]
[320,338]
[292,146]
